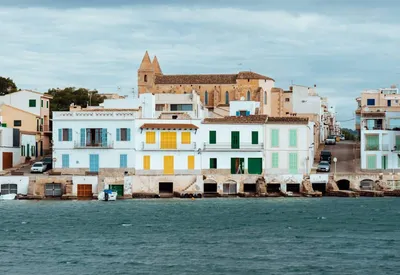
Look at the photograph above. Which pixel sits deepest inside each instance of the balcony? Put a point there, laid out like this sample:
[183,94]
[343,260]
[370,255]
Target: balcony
[369,147]
[179,147]
[94,145]
[226,146]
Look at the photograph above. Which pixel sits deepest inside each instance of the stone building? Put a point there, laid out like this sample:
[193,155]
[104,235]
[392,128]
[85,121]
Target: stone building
[215,90]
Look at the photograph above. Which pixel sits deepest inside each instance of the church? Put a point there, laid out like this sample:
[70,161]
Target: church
[216,90]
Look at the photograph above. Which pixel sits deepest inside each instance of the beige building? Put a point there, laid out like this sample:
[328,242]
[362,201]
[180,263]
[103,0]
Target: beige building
[215,90]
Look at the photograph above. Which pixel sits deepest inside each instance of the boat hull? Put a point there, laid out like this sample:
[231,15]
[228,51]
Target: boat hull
[8,197]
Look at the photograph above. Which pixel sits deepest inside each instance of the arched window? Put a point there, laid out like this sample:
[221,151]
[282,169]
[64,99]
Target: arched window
[145,78]
[265,97]
[206,98]
[248,96]
[226,97]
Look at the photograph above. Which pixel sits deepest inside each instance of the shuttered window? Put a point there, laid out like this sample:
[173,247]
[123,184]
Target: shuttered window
[185,137]
[237,165]
[293,169]
[274,138]
[123,161]
[123,134]
[371,162]
[150,137]
[254,137]
[146,162]
[190,162]
[213,163]
[293,138]
[255,166]
[65,161]
[82,139]
[168,140]
[373,142]
[169,165]
[213,137]
[275,160]
[398,143]
[235,140]
[32,102]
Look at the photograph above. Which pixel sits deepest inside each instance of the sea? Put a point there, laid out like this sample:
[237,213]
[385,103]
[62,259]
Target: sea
[202,236]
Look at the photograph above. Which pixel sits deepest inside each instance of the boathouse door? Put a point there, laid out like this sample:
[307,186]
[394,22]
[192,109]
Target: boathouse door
[9,189]
[85,191]
[53,190]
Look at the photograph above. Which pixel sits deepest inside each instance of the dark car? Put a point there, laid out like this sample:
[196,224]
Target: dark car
[326,156]
[49,162]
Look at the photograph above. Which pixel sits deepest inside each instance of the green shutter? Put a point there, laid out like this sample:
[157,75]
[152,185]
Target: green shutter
[274,138]
[398,143]
[41,103]
[254,137]
[235,140]
[233,165]
[213,137]
[373,142]
[255,166]
[237,166]
[371,162]
[384,162]
[293,169]
[275,160]
[32,102]
[213,163]
[293,138]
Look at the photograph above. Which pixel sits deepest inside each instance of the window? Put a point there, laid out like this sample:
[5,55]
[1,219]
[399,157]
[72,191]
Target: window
[373,142]
[169,165]
[397,142]
[275,160]
[123,134]
[146,162]
[168,140]
[64,134]
[145,78]
[123,161]
[242,113]
[22,150]
[292,138]
[384,162]
[42,121]
[274,138]
[181,107]
[213,163]
[4,125]
[159,107]
[47,104]
[33,150]
[371,102]
[265,97]
[17,123]
[150,137]
[65,161]
[255,166]
[237,165]
[226,97]
[248,96]
[185,137]
[371,162]
[190,162]
[293,163]
[235,140]
[41,103]
[287,99]
[32,102]
[174,117]
[95,137]
[213,137]
[254,137]
[389,103]
[206,98]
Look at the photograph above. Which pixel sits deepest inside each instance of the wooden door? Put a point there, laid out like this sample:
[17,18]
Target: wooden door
[85,190]
[7,160]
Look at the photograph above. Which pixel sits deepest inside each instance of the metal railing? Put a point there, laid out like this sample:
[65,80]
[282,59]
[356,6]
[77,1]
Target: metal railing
[369,147]
[157,146]
[94,145]
[228,146]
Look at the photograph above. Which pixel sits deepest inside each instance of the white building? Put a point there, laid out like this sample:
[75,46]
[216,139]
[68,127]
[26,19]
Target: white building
[10,150]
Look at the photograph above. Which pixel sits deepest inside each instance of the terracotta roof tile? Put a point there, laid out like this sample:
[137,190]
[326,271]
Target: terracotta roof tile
[287,120]
[252,75]
[252,119]
[168,126]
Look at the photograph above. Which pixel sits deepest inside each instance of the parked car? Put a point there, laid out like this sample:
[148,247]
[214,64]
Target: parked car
[330,140]
[324,166]
[49,163]
[38,167]
[326,156]
[342,137]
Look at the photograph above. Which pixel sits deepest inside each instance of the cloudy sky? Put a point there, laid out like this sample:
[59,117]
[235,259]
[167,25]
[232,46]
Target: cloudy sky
[341,47]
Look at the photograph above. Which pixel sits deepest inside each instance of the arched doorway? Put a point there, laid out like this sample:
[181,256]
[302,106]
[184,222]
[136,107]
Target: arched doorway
[230,187]
[210,187]
[366,184]
[343,184]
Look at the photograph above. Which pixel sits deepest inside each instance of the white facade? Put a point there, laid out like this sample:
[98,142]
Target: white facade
[236,107]
[21,182]
[305,100]
[21,100]
[92,180]
[267,86]
[7,146]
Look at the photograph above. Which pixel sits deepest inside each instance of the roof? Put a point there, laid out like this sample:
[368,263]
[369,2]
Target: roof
[287,120]
[43,95]
[207,78]
[252,119]
[105,110]
[168,126]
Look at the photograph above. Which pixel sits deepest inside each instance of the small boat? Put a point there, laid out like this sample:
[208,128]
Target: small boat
[289,193]
[8,197]
[107,195]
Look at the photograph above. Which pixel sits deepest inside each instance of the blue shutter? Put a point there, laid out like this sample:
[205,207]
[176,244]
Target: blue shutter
[247,113]
[128,133]
[59,134]
[118,134]
[65,161]
[83,130]
[237,113]
[123,161]
[104,137]
[94,163]
[69,134]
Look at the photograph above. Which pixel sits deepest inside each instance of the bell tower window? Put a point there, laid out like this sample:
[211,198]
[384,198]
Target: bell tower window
[145,78]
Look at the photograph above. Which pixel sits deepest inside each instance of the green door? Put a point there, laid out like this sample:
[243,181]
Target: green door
[235,140]
[255,166]
[384,162]
[119,189]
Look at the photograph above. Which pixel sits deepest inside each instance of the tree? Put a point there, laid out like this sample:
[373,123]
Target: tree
[7,86]
[63,98]
[349,134]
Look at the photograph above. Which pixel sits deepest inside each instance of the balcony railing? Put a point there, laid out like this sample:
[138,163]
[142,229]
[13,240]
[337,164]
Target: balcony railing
[369,147]
[45,128]
[94,145]
[157,146]
[228,146]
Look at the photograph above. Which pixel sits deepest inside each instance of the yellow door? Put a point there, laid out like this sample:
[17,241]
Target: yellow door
[169,165]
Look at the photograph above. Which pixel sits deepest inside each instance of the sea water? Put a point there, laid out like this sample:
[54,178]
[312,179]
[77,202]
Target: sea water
[203,236]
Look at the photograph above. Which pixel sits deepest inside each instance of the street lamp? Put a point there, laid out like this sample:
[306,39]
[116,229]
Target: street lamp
[393,150]
[335,160]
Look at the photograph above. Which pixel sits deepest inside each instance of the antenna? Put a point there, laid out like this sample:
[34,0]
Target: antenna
[133,92]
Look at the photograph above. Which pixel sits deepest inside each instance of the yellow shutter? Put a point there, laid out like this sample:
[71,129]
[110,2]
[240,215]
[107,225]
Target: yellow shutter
[169,165]
[168,140]
[150,137]
[190,162]
[185,137]
[146,162]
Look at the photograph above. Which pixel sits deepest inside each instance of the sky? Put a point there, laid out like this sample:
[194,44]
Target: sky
[343,47]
